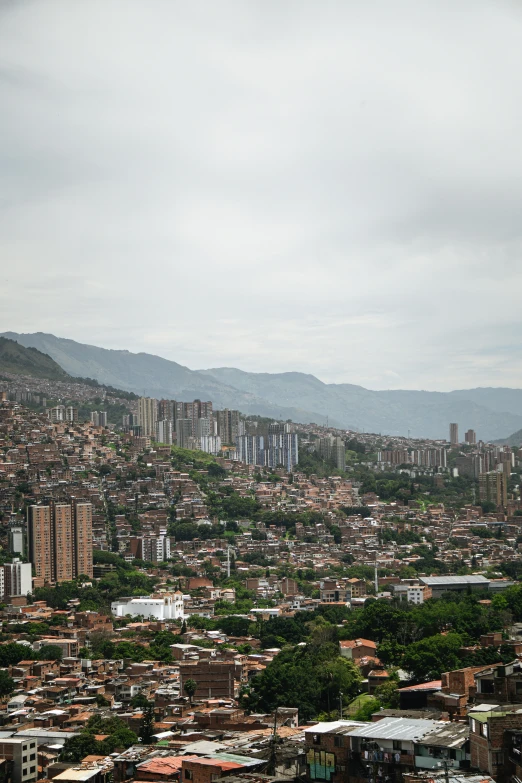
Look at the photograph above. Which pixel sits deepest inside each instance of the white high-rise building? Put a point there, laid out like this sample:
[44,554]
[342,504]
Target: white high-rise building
[148,415]
[17,578]
[164,431]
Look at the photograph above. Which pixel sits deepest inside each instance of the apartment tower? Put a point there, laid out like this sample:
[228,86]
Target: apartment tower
[60,540]
[148,414]
[454,434]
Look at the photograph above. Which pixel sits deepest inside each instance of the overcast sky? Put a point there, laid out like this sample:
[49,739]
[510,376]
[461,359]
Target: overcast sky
[330,187]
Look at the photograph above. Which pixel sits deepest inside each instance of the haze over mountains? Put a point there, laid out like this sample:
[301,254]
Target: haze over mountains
[493,412]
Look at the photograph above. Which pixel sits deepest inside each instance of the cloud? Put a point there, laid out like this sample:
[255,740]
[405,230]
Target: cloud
[329,187]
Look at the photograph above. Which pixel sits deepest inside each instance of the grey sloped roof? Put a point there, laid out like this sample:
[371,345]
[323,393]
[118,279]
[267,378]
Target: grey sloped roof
[447,735]
[441,581]
[396,728]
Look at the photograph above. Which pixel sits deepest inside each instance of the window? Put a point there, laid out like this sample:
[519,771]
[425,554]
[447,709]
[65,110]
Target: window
[338,741]
[24,759]
[317,739]
[32,757]
[33,770]
[484,730]
[188,774]
[397,745]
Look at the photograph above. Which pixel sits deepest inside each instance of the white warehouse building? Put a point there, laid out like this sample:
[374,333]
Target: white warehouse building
[168,607]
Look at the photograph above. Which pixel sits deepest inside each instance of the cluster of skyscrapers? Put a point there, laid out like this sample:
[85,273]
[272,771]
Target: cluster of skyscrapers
[190,425]
[195,425]
[279,447]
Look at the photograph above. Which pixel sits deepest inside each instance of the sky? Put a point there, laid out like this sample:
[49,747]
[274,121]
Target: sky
[328,187]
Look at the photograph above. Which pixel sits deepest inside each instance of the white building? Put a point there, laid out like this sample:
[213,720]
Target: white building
[168,607]
[164,431]
[17,578]
[16,540]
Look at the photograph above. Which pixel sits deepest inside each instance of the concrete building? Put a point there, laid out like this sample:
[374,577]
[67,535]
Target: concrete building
[339,453]
[454,434]
[16,540]
[461,584]
[39,530]
[470,437]
[148,415]
[82,539]
[493,488]
[229,426]
[99,418]
[22,751]
[164,431]
[168,607]
[17,578]
[183,433]
[60,541]
[215,679]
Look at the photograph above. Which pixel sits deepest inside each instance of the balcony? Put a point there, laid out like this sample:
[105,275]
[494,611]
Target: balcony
[385,757]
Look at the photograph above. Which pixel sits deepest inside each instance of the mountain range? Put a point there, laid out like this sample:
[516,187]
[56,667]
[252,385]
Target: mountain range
[494,413]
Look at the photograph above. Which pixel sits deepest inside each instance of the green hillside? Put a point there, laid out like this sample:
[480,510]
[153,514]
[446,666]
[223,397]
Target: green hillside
[15,358]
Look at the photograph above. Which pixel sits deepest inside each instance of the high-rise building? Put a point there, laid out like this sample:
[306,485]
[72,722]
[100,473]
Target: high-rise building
[71,414]
[164,431]
[203,427]
[229,425]
[99,418]
[493,488]
[17,578]
[251,449]
[339,453]
[470,437]
[16,540]
[40,549]
[166,410]
[210,444]
[60,540]
[324,446]
[148,415]
[183,432]
[454,434]
[194,411]
[82,539]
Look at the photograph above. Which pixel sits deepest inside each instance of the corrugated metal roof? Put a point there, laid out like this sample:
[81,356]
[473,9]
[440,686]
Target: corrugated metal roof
[435,581]
[396,728]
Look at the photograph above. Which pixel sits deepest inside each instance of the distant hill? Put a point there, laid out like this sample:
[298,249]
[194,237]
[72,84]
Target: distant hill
[15,358]
[492,413]
[513,440]
[146,374]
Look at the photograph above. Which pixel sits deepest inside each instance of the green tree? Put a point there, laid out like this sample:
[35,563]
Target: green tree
[50,652]
[190,687]
[147,725]
[7,684]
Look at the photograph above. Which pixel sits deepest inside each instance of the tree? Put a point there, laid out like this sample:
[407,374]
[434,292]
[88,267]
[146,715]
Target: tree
[147,724]
[50,652]
[184,627]
[7,684]
[139,701]
[190,687]
[76,748]
[428,658]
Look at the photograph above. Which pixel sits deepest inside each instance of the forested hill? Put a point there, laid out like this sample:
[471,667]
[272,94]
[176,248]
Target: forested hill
[15,358]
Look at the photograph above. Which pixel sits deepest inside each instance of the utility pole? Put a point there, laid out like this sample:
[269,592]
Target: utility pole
[341,694]
[228,562]
[272,760]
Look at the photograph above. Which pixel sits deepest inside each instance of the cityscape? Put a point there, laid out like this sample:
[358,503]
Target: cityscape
[260,391]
